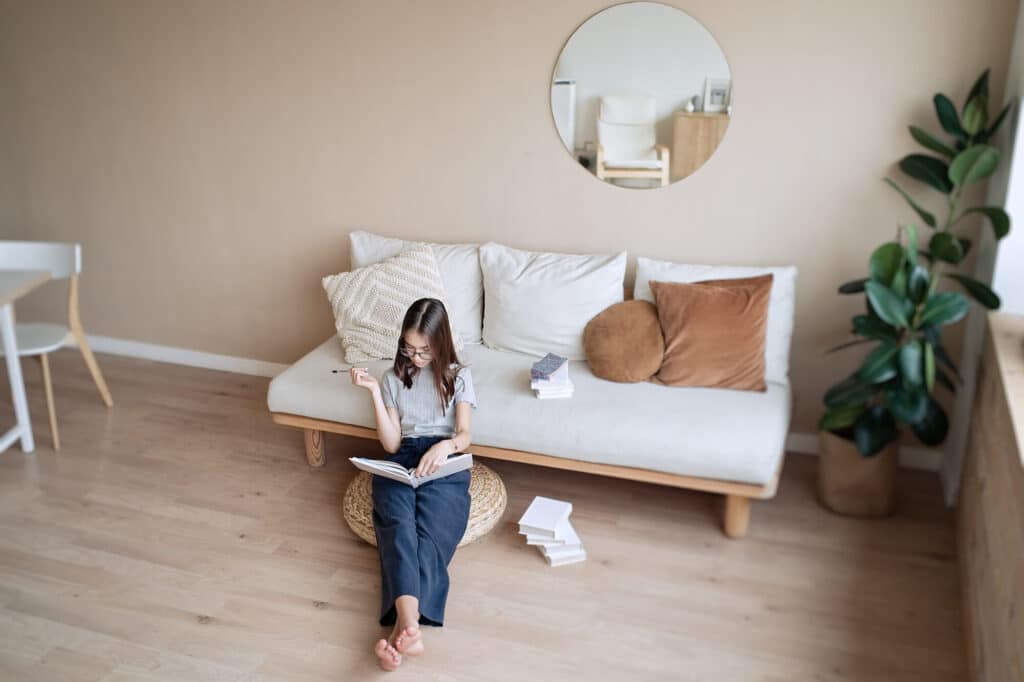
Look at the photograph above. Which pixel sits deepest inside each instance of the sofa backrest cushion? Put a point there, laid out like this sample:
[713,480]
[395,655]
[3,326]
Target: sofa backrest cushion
[460,271]
[370,303]
[540,302]
[781,303]
[714,332]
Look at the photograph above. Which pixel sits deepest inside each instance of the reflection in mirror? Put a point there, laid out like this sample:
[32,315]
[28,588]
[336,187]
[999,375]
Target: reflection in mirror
[641,95]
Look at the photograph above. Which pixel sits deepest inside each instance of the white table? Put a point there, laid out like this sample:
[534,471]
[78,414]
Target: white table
[13,285]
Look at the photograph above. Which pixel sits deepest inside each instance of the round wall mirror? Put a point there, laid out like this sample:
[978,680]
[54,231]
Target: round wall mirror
[641,95]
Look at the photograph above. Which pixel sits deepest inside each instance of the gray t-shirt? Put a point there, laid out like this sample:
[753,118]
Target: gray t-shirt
[419,407]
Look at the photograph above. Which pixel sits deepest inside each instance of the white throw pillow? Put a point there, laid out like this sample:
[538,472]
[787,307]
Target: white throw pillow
[781,302]
[370,303]
[460,271]
[540,302]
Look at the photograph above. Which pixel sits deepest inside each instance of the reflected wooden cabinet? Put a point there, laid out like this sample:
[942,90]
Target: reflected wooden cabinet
[695,137]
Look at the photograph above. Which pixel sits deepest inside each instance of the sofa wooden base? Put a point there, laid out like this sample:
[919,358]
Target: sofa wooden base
[736,516]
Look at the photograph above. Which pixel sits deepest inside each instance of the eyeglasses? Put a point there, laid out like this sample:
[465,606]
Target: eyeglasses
[412,353]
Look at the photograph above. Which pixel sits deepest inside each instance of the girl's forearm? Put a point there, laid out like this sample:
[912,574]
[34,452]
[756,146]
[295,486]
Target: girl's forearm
[460,441]
[390,437]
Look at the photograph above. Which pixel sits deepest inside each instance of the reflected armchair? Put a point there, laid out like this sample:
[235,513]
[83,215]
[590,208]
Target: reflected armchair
[627,146]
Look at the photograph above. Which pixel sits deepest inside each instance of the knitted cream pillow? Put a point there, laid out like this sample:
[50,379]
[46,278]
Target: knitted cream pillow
[369,303]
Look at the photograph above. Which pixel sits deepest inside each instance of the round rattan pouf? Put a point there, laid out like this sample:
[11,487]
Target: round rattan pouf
[487,504]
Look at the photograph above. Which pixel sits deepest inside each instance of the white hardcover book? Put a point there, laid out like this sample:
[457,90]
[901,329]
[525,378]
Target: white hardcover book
[543,517]
[562,551]
[554,396]
[562,561]
[569,542]
[565,531]
[397,472]
[557,380]
[539,541]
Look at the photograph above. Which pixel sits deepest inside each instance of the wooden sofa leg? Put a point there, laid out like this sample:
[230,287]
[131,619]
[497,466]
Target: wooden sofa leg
[315,451]
[737,515]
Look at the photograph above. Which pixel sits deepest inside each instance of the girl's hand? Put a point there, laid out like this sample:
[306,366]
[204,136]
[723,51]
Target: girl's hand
[361,377]
[433,458]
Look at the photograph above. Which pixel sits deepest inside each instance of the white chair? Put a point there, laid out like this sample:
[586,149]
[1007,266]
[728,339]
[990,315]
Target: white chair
[38,339]
[627,145]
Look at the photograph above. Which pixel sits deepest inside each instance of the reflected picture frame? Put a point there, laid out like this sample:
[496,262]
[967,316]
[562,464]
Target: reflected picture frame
[717,94]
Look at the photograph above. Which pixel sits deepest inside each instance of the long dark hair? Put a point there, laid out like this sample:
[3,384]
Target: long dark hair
[428,317]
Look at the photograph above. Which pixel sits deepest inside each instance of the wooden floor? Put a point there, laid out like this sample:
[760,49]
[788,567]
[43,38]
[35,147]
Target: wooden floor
[181,536]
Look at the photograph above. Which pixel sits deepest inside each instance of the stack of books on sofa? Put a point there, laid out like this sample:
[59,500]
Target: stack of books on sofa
[546,525]
[549,377]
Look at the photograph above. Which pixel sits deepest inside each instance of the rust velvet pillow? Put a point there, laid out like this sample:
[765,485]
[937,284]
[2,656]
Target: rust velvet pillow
[623,342]
[714,332]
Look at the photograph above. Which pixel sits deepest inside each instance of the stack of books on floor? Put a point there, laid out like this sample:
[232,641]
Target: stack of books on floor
[549,377]
[546,525]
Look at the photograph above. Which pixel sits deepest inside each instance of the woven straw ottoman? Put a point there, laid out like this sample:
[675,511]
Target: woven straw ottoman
[487,504]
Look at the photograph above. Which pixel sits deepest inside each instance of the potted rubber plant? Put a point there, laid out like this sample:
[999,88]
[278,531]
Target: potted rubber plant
[906,315]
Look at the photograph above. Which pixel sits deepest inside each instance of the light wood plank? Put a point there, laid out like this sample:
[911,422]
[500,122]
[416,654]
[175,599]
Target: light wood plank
[181,535]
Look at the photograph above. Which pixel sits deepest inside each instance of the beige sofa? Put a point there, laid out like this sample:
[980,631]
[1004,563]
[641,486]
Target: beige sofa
[714,440]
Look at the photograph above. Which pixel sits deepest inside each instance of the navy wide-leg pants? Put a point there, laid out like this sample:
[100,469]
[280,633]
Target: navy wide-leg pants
[417,532]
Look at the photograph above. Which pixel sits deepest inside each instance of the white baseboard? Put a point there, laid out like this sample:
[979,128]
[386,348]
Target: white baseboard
[182,356]
[928,459]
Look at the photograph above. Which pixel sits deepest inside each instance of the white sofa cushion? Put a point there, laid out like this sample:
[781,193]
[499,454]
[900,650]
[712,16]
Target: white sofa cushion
[703,432]
[460,271]
[781,302]
[370,303]
[540,302]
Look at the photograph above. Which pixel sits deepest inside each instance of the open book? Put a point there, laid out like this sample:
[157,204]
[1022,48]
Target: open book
[397,472]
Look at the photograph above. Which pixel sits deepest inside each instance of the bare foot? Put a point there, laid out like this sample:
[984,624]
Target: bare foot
[387,655]
[409,639]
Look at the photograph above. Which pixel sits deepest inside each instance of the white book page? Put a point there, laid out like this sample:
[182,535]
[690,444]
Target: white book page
[396,472]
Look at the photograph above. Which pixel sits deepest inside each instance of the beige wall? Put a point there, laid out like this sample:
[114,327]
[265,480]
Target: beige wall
[212,156]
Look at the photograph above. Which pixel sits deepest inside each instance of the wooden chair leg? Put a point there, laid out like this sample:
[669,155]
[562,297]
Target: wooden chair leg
[44,363]
[94,368]
[315,450]
[737,515]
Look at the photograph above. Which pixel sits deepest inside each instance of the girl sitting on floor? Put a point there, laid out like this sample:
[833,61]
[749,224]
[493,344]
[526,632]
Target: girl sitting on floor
[423,406]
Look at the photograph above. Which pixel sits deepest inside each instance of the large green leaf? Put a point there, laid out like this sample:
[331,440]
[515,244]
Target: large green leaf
[934,426]
[911,244]
[885,262]
[917,283]
[946,112]
[930,142]
[943,378]
[927,217]
[849,392]
[886,304]
[907,406]
[929,367]
[934,337]
[975,115]
[841,418]
[965,245]
[854,287]
[999,218]
[945,307]
[880,364]
[977,162]
[998,122]
[873,327]
[945,247]
[912,364]
[929,170]
[873,430]
[979,89]
[978,291]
